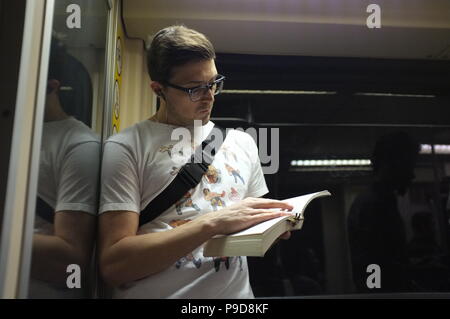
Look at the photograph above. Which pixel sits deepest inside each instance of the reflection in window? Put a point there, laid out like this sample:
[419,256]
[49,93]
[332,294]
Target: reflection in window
[66,207]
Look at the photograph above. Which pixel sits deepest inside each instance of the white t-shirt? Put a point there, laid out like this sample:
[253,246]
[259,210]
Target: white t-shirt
[68,180]
[69,166]
[138,164]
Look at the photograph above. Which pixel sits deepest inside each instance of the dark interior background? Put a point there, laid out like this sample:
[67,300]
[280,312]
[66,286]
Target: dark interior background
[343,125]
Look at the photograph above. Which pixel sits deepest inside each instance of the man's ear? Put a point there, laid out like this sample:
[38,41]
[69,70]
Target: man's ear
[53,86]
[157,88]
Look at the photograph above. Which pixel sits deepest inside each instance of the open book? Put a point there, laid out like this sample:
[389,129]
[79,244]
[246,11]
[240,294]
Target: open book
[256,240]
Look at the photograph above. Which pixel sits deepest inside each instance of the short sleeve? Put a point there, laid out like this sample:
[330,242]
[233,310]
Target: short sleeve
[119,180]
[257,184]
[77,182]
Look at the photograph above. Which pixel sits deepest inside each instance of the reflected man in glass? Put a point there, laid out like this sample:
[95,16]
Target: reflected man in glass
[68,181]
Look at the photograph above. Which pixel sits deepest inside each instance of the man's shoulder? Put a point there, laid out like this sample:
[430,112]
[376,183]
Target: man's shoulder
[66,134]
[129,134]
[239,136]
[81,132]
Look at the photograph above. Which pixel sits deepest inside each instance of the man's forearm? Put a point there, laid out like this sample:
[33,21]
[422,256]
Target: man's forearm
[139,256]
[51,256]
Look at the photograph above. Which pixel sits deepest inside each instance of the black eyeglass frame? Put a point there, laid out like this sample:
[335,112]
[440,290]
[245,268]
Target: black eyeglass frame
[219,81]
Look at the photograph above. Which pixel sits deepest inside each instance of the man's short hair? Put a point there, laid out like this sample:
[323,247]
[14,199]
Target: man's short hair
[76,99]
[174,46]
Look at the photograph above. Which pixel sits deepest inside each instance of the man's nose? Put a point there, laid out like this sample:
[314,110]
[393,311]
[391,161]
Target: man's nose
[208,94]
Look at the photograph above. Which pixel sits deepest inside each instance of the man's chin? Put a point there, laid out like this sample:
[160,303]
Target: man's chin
[205,119]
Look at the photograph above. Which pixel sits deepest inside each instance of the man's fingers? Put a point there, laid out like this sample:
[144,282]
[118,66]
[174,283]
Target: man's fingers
[265,214]
[273,204]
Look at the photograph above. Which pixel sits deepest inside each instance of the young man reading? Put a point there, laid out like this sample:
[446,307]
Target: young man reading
[163,258]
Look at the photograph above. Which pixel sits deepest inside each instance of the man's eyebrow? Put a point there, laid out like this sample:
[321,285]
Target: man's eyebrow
[201,82]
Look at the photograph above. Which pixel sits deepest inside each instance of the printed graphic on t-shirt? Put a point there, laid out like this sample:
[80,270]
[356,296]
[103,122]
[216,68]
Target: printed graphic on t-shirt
[212,175]
[189,257]
[166,149]
[174,170]
[186,201]
[215,199]
[235,173]
[227,261]
[228,154]
[239,258]
[219,260]
[233,195]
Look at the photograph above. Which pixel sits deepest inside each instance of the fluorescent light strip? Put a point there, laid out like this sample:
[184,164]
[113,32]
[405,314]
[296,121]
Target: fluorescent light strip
[330,169]
[278,92]
[333,162]
[396,95]
[438,149]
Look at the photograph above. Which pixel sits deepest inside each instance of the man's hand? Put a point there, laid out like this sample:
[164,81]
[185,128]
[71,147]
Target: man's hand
[244,214]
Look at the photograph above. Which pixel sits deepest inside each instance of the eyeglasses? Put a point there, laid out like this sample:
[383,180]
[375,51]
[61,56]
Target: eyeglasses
[196,93]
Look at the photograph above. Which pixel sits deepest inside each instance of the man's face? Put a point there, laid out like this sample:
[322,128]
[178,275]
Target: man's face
[180,109]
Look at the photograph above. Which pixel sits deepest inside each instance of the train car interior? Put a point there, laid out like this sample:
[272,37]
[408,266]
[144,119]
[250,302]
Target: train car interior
[342,96]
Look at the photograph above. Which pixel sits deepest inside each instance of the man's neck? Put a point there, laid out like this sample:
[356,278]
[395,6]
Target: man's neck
[162,116]
[54,112]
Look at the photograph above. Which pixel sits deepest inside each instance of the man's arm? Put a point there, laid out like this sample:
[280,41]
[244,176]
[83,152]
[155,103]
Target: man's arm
[71,243]
[126,256]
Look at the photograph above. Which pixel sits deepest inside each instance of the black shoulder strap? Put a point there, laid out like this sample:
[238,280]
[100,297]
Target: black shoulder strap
[44,210]
[188,177]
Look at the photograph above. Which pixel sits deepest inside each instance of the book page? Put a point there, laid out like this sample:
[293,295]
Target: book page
[299,203]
